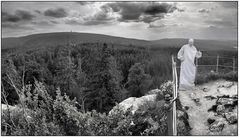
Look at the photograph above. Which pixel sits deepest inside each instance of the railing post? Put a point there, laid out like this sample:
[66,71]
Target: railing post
[168,107]
[233,67]
[174,114]
[196,68]
[217,63]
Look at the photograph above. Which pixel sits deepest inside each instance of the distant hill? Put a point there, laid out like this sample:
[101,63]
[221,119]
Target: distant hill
[61,38]
[200,44]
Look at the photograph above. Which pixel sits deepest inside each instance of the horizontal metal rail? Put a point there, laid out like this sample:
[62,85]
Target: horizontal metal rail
[212,66]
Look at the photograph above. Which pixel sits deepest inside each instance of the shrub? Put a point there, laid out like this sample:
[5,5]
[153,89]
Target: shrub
[66,114]
[231,76]
[66,119]
[166,88]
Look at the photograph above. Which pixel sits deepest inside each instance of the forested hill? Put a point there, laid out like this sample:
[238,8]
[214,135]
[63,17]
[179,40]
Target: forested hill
[61,38]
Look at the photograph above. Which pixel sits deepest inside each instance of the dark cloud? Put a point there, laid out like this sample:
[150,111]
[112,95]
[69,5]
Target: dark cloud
[126,12]
[14,26]
[156,26]
[95,22]
[83,3]
[38,11]
[42,23]
[19,15]
[129,11]
[149,19]
[180,10]
[24,15]
[162,25]
[140,11]
[57,13]
[54,22]
[72,22]
[159,8]
[228,4]
[9,17]
[204,10]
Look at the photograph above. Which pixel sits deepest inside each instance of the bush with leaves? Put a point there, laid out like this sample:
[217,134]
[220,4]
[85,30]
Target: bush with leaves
[165,88]
[66,114]
[42,115]
[204,78]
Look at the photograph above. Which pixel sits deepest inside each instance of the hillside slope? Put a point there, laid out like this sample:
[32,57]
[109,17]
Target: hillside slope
[61,38]
[53,39]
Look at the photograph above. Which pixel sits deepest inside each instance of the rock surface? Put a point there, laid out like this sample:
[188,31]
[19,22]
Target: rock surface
[199,114]
[135,103]
[216,126]
[231,117]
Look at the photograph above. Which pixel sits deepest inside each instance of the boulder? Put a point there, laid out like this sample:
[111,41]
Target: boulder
[229,84]
[210,120]
[216,126]
[220,109]
[148,114]
[226,85]
[154,91]
[205,89]
[225,101]
[231,117]
[210,97]
[135,103]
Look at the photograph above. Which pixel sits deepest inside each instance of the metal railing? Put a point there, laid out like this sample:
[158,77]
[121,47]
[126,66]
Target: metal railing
[175,91]
[172,113]
[170,103]
[217,65]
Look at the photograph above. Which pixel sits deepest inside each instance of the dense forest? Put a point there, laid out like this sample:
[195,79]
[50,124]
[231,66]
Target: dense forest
[95,75]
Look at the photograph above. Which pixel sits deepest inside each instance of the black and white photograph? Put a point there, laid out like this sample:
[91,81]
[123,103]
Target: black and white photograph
[119,68]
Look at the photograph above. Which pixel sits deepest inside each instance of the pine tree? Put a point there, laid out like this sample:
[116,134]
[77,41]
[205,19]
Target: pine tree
[106,81]
[138,81]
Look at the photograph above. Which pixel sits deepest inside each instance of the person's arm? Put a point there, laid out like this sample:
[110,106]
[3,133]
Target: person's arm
[180,54]
[198,54]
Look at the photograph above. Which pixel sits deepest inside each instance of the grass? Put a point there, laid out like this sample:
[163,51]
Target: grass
[204,78]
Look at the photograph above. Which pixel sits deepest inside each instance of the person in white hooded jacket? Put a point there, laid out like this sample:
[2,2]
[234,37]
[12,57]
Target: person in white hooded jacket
[187,55]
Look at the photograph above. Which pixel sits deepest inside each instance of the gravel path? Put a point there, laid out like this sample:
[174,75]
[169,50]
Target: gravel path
[198,112]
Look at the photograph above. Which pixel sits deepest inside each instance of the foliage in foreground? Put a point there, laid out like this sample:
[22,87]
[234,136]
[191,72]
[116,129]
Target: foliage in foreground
[39,114]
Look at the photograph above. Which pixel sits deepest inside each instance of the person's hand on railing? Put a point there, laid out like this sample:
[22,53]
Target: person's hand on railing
[199,54]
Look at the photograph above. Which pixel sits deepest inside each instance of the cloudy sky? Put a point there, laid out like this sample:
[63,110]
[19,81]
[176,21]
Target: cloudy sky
[141,20]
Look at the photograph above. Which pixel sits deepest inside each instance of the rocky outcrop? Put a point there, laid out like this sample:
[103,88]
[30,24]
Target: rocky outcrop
[149,108]
[134,103]
[217,114]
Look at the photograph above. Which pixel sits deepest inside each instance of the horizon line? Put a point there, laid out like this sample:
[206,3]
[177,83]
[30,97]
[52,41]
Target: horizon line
[117,36]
